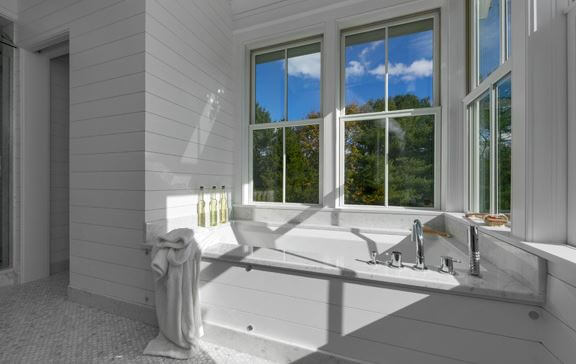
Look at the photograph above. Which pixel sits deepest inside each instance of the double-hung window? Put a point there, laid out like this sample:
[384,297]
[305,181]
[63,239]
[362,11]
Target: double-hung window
[488,108]
[286,110]
[389,117]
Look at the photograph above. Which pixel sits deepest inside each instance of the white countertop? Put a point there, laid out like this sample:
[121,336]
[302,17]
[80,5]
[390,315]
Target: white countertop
[494,283]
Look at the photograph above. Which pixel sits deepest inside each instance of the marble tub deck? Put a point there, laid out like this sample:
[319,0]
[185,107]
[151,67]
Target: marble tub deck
[493,283]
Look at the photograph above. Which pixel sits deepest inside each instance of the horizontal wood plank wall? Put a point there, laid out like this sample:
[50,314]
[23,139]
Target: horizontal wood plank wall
[9,9]
[107,121]
[372,323]
[560,335]
[191,125]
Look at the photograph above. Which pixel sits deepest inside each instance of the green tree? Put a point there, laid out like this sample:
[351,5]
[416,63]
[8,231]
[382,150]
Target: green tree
[410,155]
[302,161]
[267,160]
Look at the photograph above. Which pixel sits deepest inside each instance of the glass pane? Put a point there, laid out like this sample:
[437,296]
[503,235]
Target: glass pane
[365,163]
[411,65]
[365,72]
[269,87]
[411,161]
[504,130]
[267,165]
[488,28]
[481,140]
[304,71]
[302,164]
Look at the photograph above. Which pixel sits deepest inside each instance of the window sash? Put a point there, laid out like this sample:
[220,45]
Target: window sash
[434,110]
[475,41]
[284,47]
[431,111]
[386,26]
[283,124]
[472,118]
[478,90]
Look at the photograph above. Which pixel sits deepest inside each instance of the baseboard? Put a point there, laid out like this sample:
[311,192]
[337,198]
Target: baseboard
[253,344]
[130,310]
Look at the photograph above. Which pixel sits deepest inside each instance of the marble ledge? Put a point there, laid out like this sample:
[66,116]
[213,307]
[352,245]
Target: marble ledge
[494,283]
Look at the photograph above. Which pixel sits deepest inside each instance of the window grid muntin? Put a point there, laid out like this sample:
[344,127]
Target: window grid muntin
[479,89]
[434,109]
[473,119]
[286,123]
[386,25]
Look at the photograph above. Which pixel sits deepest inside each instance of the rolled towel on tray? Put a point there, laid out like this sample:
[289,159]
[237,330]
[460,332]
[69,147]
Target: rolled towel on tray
[176,268]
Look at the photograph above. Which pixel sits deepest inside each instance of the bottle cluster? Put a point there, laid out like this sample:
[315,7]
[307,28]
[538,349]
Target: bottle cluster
[217,208]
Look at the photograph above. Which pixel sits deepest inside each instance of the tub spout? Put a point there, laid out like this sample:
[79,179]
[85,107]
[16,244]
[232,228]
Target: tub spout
[418,239]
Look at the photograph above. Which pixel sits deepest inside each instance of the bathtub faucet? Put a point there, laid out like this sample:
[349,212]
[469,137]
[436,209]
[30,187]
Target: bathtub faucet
[418,238]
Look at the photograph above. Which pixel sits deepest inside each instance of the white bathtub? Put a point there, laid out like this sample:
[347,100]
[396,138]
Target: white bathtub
[332,242]
[309,289]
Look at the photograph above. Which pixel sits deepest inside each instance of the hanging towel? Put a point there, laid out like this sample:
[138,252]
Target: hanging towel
[176,269]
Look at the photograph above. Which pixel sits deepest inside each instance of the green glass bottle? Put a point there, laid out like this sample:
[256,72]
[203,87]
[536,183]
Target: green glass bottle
[223,206]
[201,208]
[213,208]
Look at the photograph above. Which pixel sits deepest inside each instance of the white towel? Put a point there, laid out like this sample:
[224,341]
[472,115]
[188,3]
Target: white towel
[176,268]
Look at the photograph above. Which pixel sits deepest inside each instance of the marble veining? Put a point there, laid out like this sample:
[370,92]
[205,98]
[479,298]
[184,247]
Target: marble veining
[493,282]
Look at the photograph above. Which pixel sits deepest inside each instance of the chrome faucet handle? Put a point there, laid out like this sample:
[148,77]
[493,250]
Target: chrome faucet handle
[447,265]
[418,238]
[395,260]
[373,256]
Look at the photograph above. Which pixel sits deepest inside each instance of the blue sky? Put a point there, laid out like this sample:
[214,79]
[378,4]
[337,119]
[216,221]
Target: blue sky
[410,71]
[489,37]
[304,73]
[410,67]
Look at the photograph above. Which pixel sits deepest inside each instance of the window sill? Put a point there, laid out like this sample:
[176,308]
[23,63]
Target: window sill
[351,208]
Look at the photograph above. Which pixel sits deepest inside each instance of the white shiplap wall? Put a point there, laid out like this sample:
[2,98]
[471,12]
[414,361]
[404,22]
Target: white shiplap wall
[107,104]
[190,118]
[151,119]
[9,9]
[560,337]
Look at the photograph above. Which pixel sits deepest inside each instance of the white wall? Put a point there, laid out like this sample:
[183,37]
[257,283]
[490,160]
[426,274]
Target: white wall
[561,304]
[9,9]
[141,140]
[539,144]
[59,164]
[107,44]
[571,24]
[191,125]
[35,159]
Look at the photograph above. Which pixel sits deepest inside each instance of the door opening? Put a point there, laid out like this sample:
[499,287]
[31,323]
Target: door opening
[59,164]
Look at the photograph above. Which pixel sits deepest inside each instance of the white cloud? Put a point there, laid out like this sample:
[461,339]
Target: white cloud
[305,66]
[364,53]
[358,68]
[355,69]
[418,69]
[379,71]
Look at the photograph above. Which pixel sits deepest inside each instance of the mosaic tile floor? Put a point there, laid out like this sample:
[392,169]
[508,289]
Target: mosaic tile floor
[39,325]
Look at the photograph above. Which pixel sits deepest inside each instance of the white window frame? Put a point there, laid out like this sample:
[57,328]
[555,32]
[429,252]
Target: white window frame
[435,110]
[489,84]
[284,124]
[571,38]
